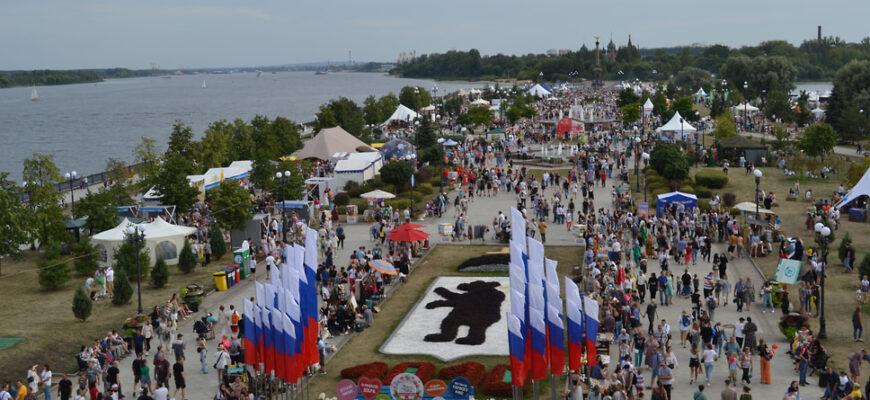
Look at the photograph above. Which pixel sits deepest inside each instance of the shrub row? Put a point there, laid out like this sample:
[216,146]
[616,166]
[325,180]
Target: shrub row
[712,179]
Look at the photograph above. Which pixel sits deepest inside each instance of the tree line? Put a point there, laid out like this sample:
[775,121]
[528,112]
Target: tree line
[46,77]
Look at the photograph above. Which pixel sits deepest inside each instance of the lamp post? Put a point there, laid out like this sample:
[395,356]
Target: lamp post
[70,177]
[757,174]
[822,238]
[136,237]
[645,157]
[682,134]
[745,105]
[637,160]
[283,177]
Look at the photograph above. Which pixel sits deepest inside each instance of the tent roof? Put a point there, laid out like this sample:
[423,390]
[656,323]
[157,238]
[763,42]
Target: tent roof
[748,206]
[539,91]
[648,105]
[672,194]
[330,141]
[674,125]
[862,188]
[153,230]
[352,165]
[480,102]
[402,113]
[377,194]
[700,92]
[744,106]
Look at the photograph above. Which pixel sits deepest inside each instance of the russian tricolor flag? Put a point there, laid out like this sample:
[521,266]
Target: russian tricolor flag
[290,343]
[268,356]
[574,311]
[537,308]
[517,349]
[590,320]
[278,339]
[555,326]
[249,339]
[311,314]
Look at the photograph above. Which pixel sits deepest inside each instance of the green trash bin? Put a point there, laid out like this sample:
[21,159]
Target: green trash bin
[242,258]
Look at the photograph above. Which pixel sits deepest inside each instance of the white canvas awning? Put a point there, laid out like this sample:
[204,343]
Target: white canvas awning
[648,105]
[402,113]
[748,206]
[674,125]
[539,91]
[862,188]
[744,108]
[377,194]
[480,102]
[162,239]
[701,93]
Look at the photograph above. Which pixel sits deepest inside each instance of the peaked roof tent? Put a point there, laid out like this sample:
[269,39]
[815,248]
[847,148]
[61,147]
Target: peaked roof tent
[539,91]
[403,114]
[674,125]
[862,188]
[648,105]
[330,141]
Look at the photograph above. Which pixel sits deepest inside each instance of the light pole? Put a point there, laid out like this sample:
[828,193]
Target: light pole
[757,174]
[645,157]
[745,105]
[70,177]
[637,160]
[822,238]
[682,134]
[283,177]
[136,237]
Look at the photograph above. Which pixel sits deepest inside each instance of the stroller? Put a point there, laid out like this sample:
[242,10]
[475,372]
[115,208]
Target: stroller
[204,327]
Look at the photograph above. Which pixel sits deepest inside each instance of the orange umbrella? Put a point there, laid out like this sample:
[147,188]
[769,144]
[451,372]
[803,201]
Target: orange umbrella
[407,235]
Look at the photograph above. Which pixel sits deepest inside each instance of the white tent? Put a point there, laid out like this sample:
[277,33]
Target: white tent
[378,194]
[744,108]
[749,207]
[539,91]
[862,188]
[647,107]
[701,93]
[358,168]
[480,102]
[402,113]
[818,113]
[214,176]
[162,239]
[674,125]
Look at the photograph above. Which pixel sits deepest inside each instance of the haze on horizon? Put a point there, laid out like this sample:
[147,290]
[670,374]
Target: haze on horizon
[60,34]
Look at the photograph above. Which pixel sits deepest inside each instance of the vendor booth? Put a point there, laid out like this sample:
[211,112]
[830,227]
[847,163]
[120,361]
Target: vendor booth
[357,168]
[666,199]
[676,129]
[162,239]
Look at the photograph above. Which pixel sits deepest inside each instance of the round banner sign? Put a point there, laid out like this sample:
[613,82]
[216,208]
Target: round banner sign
[406,386]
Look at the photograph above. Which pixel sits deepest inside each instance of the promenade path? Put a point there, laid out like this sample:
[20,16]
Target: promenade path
[482,211]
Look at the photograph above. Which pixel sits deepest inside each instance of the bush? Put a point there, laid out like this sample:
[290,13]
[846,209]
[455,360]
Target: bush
[341,199]
[125,258]
[85,263]
[53,273]
[399,204]
[729,199]
[704,205]
[82,305]
[425,370]
[160,274]
[425,173]
[687,189]
[669,161]
[864,267]
[217,242]
[712,179]
[425,189]
[471,370]
[186,261]
[703,192]
[123,290]
[351,186]
[371,370]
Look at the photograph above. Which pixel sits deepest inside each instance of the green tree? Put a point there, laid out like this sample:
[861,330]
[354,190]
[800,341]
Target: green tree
[147,156]
[53,270]
[627,96]
[242,145]
[41,175]
[397,173]
[818,140]
[82,305]
[263,174]
[778,105]
[172,186]
[186,261]
[660,103]
[213,150]
[85,258]
[851,92]
[670,162]
[476,116]
[230,204]
[117,171]
[693,79]
[181,141]
[217,242]
[519,108]
[125,260]
[414,97]
[372,111]
[724,128]
[425,136]
[100,209]
[160,274]
[123,291]
[853,125]
[684,106]
[15,219]
[630,113]
[341,112]
[387,105]
[286,135]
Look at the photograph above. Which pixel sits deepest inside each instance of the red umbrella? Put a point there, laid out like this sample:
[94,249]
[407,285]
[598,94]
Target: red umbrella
[407,225]
[407,235]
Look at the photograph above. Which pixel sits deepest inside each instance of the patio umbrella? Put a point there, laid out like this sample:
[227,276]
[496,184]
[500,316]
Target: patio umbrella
[407,235]
[407,225]
[383,266]
[377,194]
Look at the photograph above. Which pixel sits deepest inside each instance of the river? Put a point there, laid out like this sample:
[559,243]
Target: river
[83,125]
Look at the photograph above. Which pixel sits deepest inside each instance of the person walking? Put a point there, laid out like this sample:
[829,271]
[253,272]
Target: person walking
[45,378]
[728,393]
[202,349]
[857,325]
[709,357]
[746,365]
[180,378]
[764,356]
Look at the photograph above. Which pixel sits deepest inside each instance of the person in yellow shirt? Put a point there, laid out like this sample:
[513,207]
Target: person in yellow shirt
[22,391]
[856,393]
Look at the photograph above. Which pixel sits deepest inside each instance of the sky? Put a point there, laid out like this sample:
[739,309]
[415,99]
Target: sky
[219,33]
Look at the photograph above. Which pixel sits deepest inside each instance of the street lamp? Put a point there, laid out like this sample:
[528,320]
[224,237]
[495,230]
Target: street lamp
[745,105]
[682,134]
[283,176]
[822,238]
[757,174]
[136,237]
[637,160]
[70,177]
[645,157]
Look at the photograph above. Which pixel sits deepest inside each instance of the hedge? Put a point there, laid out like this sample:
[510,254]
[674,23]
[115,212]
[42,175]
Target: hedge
[471,370]
[703,193]
[712,179]
[341,199]
[400,204]
[425,188]
[371,370]
[425,370]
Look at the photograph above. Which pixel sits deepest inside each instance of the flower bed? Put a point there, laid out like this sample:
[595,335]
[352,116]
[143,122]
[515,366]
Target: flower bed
[495,385]
[471,370]
[424,370]
[370,370]
[486,263]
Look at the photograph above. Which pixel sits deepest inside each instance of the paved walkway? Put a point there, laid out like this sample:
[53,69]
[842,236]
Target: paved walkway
[482,211]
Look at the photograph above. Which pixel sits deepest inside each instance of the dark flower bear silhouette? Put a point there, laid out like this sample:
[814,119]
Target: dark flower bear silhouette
[478,308]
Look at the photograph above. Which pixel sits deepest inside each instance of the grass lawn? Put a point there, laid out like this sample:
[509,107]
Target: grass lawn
[442,261]
[45,320]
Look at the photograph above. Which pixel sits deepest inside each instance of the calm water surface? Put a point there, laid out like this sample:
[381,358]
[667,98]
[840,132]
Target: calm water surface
[83,125]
